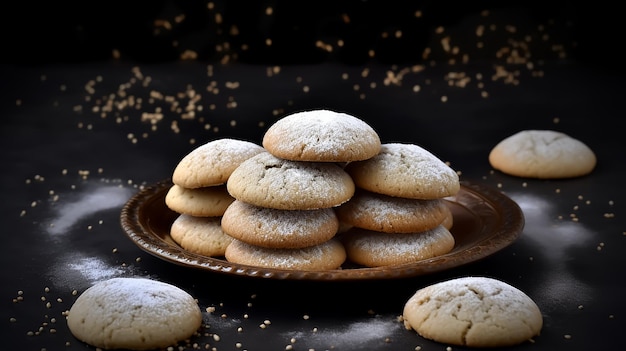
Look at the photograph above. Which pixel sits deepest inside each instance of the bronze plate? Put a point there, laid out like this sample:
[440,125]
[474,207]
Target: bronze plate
[485,221]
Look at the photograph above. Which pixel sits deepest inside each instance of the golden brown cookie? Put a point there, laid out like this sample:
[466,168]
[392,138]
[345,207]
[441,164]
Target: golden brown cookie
[405,170]
[473,312]
[212,163]
[134,314]
[375,249]
[201,235]
[210,201]
[448,222]
[265,180]
[325,256]
[391,214]
[321,136]
[284,229]
[544,154]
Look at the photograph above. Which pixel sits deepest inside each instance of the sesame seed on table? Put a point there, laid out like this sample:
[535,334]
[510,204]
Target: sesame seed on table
[100,106]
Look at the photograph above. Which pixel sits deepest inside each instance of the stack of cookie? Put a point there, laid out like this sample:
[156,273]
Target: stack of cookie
[283,215]
[200,197]
[398,213]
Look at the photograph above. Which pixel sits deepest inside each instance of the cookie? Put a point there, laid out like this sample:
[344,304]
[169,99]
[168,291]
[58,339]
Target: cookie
[134,313]
[473,312]
[448,222]
[265,180]
[325,256]
[210,201]
[390,214]
[321,136]
[543,154]
[405,170]
[201,235]
[375,249]
[284,229]
[212,163]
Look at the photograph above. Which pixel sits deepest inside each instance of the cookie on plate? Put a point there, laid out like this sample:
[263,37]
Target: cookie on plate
[325,256]
[448,222]
[201,235]
[473,312]
[210,201]
[321,136]
[544,154]
[212,163]
[375,249]
[405,170]
[280,229]
[391,214]
[134,313]
[265,180]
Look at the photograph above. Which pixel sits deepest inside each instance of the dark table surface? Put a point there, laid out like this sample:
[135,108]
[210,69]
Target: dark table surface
[78,140]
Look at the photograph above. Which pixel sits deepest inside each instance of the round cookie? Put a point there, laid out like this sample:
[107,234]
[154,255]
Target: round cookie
[405,170]
[375,249]
[212,163]
[473,312]
[543,154]
[210,201]
[448,222]
[201,235]
[325,256]
[279,229]
[265,180]
[134,313]
[390,214]
[321,136]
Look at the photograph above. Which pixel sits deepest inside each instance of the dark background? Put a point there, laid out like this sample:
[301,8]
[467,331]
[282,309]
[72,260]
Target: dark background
[236,30]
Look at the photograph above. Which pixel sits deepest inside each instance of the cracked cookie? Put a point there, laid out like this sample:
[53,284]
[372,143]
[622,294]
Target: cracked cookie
[405,170]
[280,229]
[543,154]
[325,256]
[473,312]
[265,180]
[134,313]
[212,163]
[375,249]
[321,136]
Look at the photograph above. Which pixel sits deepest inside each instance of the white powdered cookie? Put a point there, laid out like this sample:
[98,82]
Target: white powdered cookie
[265,180]
[280,229]
[321,136]
[391,214]
[212,163]
[374,249]
[325,256]
[134,313]
[210,201]
[544,154]
[405,170]
[201,235]
[473,312]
